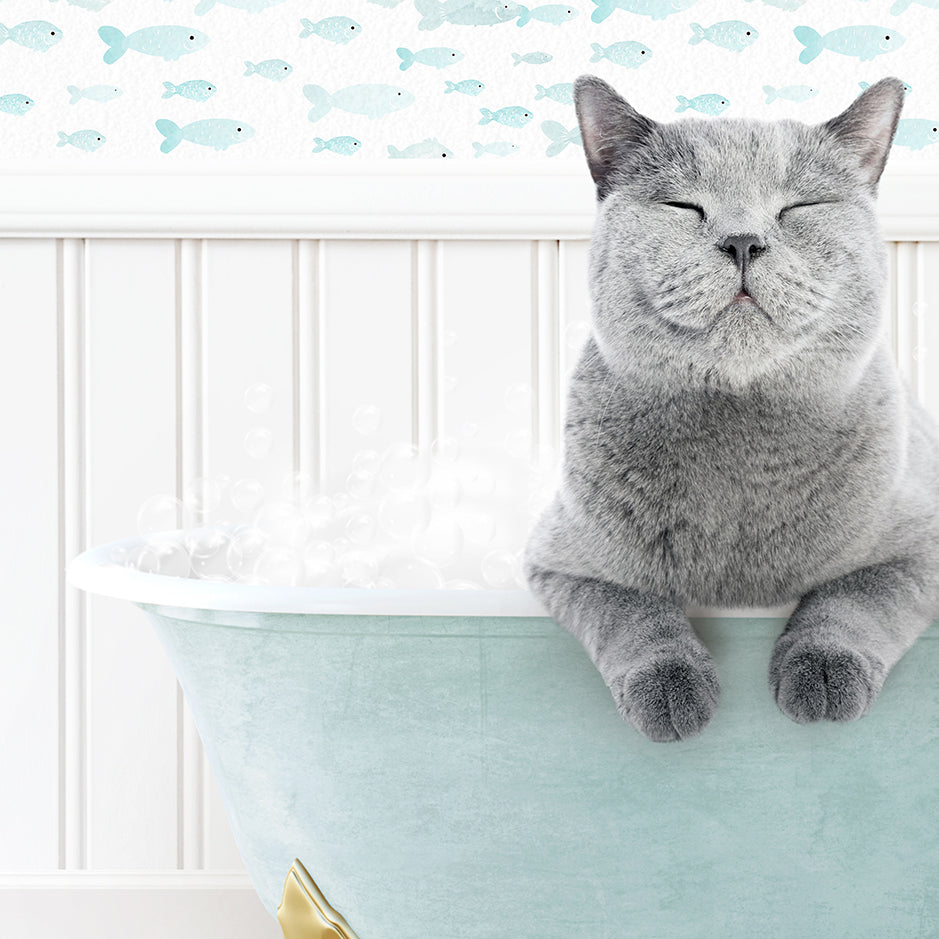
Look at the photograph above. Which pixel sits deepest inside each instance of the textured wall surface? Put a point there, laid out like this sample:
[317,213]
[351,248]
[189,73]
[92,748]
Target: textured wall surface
[312,80]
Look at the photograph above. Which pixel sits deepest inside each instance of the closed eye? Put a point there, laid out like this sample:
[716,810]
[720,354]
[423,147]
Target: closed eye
[687,205]
[802,205]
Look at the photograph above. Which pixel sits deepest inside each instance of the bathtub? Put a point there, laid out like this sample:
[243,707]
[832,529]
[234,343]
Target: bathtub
[449,765]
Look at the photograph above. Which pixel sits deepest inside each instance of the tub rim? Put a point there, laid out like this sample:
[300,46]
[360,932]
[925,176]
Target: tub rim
[95,572]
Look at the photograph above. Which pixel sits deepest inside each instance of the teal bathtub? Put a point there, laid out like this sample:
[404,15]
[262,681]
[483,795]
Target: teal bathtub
[449,765]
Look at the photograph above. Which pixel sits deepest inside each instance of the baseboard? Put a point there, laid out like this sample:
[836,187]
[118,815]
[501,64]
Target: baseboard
[146,905]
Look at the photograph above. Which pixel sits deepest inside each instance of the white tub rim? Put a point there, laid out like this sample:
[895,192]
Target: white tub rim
[95,571]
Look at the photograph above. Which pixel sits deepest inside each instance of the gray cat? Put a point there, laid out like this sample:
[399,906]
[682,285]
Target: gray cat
[736,432]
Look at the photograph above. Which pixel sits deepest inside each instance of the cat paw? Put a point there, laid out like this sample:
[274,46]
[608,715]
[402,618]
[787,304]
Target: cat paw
[817,679]
[668,696]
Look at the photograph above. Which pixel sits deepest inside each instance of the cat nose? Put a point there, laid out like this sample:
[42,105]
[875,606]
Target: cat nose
[742,248]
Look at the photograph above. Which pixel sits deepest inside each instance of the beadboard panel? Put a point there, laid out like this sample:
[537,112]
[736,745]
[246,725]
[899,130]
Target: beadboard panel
[128,378]
[30,557]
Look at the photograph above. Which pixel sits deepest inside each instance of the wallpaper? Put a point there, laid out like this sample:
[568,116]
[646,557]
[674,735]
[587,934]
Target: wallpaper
[351,80]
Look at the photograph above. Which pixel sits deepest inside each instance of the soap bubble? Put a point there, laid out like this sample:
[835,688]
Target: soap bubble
[162,512]
[279,565]
[367,462]
[361,528]
[297,487]
[244,549]
[284,522]
[360,484]
[478,480]
[258,397]
[518,398]
[479,527]
[404,514]
[208,553]
[358,568]
[404,468]
[575,335]
[319,513]
[443,488]
[319,563]
[258,442]
[409,573]
[246,494]
[518,444]
[366,419]
[446,449]
[462,585]
[440,543]
[203,496]
[159,556]
[498,568]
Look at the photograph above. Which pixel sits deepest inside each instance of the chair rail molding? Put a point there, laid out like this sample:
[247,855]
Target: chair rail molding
[372,200]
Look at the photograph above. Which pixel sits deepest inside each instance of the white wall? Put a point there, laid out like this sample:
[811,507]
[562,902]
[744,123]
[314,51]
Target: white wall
[127,355]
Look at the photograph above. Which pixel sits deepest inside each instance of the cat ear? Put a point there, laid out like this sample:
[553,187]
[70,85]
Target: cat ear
[609,128]
[867,127]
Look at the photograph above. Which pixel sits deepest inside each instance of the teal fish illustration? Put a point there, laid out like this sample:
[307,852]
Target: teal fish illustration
[788,5]
[469,87]
[789,93]
[560,137]
[706,104]
[562,93]
[37,35]
[500,148]
[169,42]
[15,104]
[906,88]
[217,133]
[342,145]
[429,149]
[435,13]
[865,42]
[657,9]
[916,133]
[627,54]
[339,29]
[734,35]
[532,58]
[510,117]
[371,100]
[93,5]
[274,69]
[195,90]
[101,93]
[249,6]
[87,140]
[555,13]
[901,6]
[437,56]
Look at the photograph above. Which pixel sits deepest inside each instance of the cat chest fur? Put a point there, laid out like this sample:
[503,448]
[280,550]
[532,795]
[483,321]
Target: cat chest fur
[726,499]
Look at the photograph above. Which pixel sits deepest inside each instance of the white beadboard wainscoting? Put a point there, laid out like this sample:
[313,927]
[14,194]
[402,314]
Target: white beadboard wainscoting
[138,309]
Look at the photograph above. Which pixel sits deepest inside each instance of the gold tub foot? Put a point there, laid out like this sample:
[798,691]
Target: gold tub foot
[304,913]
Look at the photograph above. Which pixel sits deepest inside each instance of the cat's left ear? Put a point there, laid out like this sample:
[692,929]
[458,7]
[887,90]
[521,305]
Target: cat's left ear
[867,127]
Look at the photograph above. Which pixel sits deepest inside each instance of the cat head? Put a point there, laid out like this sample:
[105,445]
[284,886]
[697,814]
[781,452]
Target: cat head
[730,249]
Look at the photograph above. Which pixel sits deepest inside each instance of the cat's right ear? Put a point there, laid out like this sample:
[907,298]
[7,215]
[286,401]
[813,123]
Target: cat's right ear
[609,127]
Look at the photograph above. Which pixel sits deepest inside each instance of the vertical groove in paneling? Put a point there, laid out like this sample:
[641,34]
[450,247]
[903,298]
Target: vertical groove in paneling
[906,300]
[546,365]
[424,344]
[190,466]
[73,524]
[891,301]
[920,313]
[307,417]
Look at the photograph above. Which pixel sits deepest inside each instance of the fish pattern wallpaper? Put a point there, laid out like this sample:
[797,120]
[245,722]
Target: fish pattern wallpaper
[303,81]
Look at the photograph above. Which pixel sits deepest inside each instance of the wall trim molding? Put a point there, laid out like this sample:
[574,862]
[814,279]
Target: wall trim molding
[125,880]
[377,200]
